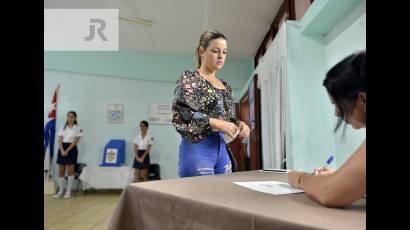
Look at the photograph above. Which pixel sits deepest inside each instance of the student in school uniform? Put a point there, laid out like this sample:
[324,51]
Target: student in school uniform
[204,112]
[142,146]
[68,138]
[346,85]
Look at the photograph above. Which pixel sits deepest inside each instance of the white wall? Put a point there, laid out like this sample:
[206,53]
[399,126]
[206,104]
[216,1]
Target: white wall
[310,138]
[89,95]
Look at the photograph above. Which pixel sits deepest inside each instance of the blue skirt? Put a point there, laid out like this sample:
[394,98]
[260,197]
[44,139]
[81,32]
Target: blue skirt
[70,159]
[144,164]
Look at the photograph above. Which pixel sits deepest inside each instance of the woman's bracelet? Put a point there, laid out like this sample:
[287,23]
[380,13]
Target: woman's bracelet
[300,178]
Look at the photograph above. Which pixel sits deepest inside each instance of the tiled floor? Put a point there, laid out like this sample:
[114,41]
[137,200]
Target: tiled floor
[91,211]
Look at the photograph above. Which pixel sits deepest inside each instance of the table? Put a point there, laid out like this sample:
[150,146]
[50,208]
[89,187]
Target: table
[98,177]
[214,202]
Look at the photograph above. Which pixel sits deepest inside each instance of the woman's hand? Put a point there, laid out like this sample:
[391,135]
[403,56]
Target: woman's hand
[294,178]
[227,127]
[64,153]
[140,160]
[323,171]
[243,129]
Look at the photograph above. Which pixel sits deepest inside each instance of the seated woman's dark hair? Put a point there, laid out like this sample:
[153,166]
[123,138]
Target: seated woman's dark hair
[345,81]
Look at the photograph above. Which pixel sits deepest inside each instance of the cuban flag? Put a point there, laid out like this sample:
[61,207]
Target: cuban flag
[49,132]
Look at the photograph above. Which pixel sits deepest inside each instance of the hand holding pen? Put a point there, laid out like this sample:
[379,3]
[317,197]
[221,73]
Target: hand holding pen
[325,170]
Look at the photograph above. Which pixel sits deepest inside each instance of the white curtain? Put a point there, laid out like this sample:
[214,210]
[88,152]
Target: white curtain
[272,72]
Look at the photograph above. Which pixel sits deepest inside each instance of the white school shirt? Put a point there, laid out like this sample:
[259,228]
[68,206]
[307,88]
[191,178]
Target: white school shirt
[69,134]
[142,143]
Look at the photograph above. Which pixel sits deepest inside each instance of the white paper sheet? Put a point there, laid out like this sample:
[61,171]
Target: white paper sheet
[271,187]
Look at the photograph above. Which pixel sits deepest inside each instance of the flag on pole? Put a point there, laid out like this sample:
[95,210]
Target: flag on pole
[49,131]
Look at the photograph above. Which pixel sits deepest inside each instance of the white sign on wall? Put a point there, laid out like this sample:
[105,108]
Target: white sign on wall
[160,114]
[115,113]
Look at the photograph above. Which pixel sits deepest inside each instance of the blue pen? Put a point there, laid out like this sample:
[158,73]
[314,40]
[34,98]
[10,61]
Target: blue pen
[326,165]
[329,161]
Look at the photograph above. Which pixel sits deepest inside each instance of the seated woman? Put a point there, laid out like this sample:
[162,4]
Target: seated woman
[346,86]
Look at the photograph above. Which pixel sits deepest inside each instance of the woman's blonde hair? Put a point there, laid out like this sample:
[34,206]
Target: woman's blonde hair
[204,40]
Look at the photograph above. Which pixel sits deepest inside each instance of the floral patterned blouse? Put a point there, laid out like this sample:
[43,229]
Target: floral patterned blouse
[195,101]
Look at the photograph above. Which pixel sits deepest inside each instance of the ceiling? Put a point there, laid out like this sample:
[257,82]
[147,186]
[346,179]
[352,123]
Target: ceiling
[179,23]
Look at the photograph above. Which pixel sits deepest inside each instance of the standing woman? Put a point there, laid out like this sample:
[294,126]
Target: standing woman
[204,112]
[142,146]
[68,138]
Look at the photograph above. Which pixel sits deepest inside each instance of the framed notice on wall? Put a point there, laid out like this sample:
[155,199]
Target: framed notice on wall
[160,114]
[115,113]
